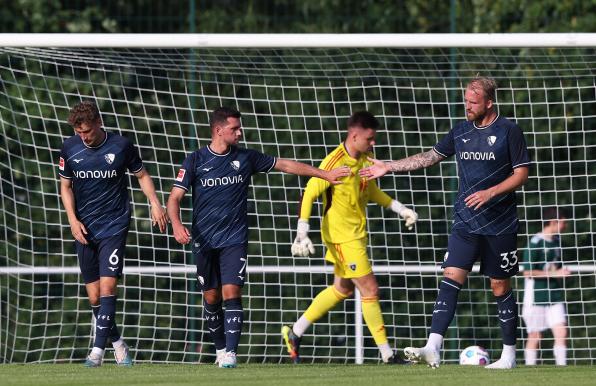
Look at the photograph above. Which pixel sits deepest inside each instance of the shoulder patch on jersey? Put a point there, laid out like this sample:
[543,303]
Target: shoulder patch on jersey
[61,164]
[181,174]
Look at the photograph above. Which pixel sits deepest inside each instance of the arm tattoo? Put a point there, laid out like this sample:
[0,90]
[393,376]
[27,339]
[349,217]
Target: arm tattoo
[415,162]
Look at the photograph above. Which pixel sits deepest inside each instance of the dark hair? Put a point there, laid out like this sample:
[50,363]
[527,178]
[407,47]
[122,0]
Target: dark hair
[486,84]
[363,119]
[551,213]
[84,112]
[221,114]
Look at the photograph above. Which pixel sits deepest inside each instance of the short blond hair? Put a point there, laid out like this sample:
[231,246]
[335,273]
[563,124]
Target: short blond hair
[486,84]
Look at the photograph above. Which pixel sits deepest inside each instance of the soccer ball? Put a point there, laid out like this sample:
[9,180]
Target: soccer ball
[474,355]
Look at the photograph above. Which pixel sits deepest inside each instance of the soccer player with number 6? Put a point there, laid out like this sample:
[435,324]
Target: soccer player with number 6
[492,162]
[93,188]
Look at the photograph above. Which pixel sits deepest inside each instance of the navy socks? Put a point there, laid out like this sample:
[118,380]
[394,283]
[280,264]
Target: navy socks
[445,306]
[233,323]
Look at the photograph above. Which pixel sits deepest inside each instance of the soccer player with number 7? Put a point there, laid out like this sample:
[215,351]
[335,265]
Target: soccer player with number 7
[492,163]
[218,175]
[93,188]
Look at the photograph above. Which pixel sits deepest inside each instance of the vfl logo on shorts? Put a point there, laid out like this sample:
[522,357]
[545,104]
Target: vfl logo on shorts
[446,256]
[181,174]
[201,279]
[353,267]
[110,157]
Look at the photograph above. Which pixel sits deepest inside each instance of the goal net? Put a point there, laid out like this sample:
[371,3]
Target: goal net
[295,103]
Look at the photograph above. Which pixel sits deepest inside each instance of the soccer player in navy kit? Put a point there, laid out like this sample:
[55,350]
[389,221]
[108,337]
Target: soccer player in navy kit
[492,162]
[93,188]
[219,176]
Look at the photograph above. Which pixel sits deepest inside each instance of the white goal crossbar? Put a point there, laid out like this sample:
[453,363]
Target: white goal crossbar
[486,40]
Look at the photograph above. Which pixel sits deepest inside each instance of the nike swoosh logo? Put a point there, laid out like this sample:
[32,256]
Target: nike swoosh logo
[233,331]
[465,140]
[77,160]
[506,320]
[214,329]
[207,169]
[101,328]
[435,311]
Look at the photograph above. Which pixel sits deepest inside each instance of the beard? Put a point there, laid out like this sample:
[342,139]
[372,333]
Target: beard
[475,117]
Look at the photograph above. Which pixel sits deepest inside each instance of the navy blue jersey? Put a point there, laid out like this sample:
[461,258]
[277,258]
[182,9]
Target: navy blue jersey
[99,182]
[219,185]
[485,157]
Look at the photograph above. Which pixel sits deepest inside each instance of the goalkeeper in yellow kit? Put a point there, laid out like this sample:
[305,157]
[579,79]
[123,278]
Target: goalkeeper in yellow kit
[344,234]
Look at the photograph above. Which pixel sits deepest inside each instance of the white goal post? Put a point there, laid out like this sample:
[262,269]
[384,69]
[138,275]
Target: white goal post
[295,92]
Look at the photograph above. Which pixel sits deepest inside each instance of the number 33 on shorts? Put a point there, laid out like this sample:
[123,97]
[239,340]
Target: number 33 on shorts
[509,260]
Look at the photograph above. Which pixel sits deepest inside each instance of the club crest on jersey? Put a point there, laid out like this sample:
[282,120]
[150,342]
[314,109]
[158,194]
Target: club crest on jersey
[491,140]
[235,165]
[110,158]
[181,174]
[61,164]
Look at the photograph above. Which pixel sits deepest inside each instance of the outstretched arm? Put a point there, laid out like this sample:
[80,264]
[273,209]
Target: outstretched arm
[415,162]
[293,167]
[181,233]
[158,213]
[511,183]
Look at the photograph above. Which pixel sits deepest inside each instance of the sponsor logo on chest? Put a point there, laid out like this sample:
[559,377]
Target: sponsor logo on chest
[109,158]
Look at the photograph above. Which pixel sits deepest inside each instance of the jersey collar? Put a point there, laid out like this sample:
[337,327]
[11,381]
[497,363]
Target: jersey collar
[487,126]
[350,161]
[100,145]
[217,154]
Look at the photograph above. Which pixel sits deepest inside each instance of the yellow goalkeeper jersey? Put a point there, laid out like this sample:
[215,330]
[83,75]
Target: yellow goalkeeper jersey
[344,205]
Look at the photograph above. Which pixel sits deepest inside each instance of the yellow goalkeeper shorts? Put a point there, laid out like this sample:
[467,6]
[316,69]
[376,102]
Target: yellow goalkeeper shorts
[350,259]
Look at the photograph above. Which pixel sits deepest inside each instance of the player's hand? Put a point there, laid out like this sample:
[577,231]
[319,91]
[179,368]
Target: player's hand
[334,175]
[159,217]
[476,200]
[302,245]
[410,216]
[181,234]
[79,231]
[406,213]
[376,170]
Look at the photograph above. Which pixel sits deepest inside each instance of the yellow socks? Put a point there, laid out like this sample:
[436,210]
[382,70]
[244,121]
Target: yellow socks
[323,302]
[371,310]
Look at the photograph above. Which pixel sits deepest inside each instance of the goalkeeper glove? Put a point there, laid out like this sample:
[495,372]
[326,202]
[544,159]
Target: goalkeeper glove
[302,245]
[404,212]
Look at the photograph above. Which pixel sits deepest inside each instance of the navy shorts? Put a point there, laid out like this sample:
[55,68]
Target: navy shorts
[219,266]
[103,257]
[498,254]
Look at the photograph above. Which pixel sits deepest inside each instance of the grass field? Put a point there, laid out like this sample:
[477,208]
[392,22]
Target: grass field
[285,375]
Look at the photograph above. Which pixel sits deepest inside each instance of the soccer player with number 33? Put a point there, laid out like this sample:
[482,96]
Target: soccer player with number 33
[492,162]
